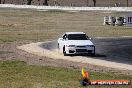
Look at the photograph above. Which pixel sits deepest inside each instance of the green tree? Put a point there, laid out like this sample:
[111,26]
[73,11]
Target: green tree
[29,2]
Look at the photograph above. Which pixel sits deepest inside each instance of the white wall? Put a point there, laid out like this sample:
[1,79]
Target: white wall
[128,9]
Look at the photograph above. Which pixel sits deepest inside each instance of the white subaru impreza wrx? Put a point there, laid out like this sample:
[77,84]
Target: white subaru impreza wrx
[76,43]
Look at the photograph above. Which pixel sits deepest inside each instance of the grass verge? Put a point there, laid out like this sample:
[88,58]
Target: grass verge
[17,74]
[32,25]
[5,52]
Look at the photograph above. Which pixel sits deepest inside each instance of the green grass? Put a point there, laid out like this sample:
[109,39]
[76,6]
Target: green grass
[17,74]
[5,52]
[31,25]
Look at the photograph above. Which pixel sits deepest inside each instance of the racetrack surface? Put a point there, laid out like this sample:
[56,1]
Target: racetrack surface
[114,49]
[110,52]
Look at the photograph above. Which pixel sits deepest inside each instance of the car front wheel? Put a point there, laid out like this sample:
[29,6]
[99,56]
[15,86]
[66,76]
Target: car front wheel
[64,52]
[92,54]
[58,46]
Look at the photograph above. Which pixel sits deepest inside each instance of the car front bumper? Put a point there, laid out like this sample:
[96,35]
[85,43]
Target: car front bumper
[80,50]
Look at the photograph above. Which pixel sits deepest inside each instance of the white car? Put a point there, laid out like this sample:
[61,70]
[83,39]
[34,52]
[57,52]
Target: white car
[76,43]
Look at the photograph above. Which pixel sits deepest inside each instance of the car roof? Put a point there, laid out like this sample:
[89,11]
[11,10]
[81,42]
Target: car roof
[75,33]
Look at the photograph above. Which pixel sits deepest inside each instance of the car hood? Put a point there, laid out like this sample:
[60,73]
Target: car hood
[79,42]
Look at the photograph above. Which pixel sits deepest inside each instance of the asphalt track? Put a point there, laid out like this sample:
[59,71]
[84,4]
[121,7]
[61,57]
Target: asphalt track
[110,49]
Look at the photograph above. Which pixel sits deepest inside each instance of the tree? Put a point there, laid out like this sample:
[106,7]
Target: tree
[29,2]
[45,2]
[3,1]
[127,3]
[0,1]
[87,2]
[94,1]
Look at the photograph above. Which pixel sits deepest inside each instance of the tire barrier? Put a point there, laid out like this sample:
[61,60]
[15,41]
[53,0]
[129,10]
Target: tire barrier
[119,21]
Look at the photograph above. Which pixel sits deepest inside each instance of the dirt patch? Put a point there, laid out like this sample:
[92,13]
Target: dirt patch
[77,62]
[32,59]
[35,48]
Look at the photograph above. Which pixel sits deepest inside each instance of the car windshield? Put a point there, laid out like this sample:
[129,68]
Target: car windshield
[77,37]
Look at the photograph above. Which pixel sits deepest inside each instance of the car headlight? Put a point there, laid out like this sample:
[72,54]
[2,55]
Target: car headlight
[70,45]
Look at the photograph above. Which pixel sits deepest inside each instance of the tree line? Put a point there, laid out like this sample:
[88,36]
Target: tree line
[29,2]
[2,2]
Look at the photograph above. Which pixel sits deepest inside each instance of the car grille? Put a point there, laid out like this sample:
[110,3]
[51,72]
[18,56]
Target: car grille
[85,46]
[81,50]
[81,46]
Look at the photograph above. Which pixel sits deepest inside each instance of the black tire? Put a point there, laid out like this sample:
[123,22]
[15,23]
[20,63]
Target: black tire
[93,54]
[64,52]
[58,46]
